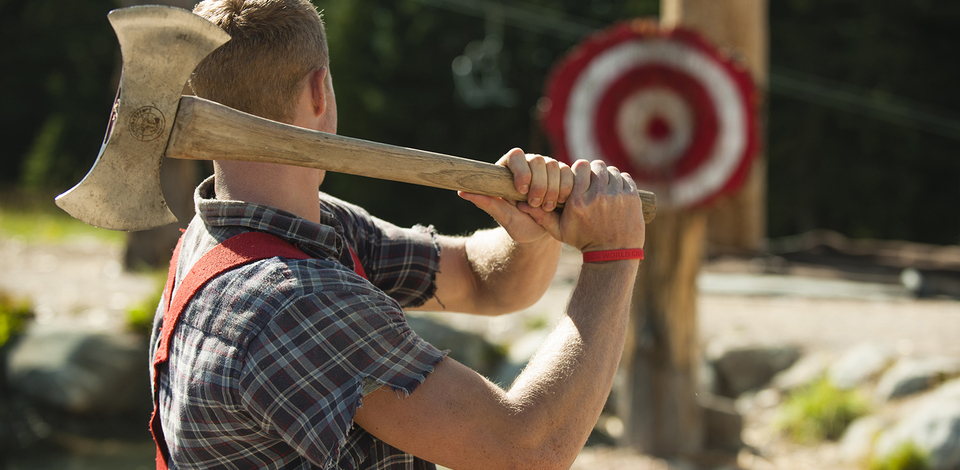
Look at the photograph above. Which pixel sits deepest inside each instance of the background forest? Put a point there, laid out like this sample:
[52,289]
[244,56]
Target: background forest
[862,113]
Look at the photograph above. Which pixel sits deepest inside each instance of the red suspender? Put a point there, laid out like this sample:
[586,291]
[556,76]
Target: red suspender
[232,253]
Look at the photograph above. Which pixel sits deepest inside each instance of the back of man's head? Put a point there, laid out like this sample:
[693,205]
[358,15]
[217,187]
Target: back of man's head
[274,45]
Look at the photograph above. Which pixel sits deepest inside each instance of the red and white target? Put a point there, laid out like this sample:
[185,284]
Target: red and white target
[663,105]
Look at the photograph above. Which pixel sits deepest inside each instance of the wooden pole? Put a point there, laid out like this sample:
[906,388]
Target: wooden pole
[660,407]
[736,223]
[661,358]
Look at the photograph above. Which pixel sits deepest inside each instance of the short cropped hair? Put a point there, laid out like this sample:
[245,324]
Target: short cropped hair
[274,45]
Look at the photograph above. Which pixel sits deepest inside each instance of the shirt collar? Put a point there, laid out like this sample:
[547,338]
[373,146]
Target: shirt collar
[317,240]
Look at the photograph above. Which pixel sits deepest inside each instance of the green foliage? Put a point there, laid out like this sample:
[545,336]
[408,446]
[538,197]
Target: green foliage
[391,61]
[59,64]
[140,315]
[846,170]
[820,411]
[32,216]
[14,314]
[905,457]
[391,65]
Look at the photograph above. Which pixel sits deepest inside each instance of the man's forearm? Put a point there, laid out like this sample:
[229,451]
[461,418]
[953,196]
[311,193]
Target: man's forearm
[562,391]
[508,275]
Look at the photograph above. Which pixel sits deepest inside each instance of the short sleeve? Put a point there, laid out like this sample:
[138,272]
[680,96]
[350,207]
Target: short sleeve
[305,373]
[403,262]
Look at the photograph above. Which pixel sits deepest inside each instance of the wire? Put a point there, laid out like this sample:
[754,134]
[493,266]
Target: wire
[831,94]
[529,18]
[848,98]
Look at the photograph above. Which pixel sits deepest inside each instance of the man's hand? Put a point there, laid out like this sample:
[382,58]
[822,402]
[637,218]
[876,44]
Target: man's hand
[546,183]
[603,211]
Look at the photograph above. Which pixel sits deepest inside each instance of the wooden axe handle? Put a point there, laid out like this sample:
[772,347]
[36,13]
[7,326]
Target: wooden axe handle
[205,130]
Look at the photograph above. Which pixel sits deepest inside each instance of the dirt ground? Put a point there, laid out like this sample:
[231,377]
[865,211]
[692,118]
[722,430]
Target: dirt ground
[80,284]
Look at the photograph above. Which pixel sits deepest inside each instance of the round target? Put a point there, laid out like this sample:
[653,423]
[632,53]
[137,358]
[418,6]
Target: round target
[663,105]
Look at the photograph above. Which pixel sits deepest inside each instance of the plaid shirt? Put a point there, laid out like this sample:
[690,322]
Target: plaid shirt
[269,362]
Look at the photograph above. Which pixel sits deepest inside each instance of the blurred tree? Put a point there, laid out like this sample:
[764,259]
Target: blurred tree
[392,66]
[55,94]
[828,167]
[874,170]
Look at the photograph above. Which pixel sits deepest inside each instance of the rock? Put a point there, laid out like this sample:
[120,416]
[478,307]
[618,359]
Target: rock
[722,424]
[913,375]
[521,351]
[856,444]
[470,349]
[82,372]
[707,377]
[743,368]
[949,391]
[860,364]
[804,372]
[934,428]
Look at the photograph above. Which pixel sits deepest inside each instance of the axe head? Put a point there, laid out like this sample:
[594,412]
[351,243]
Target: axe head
[160,47]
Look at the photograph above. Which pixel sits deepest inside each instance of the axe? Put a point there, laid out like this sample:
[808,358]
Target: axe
[160,47]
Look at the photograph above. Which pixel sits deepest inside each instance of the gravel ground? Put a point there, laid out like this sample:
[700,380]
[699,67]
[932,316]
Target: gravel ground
[80,284]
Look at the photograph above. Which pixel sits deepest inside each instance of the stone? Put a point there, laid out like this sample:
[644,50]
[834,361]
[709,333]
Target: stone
[749,367]
[860,364]
[82,372]
[914,375]
[934,428]
[470,349]
[807,370]
[856,444]
[949,391]
[521,351]
[721,422]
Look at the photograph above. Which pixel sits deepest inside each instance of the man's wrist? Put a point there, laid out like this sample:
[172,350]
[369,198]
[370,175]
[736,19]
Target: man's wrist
[599,256]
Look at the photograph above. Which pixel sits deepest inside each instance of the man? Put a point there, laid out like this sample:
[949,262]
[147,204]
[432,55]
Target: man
[303,363]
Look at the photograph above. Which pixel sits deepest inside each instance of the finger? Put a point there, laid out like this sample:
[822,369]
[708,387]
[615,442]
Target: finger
[566,183]
[538,180]
[628,182]
[615,181]
[553,185]
[582,176]
[479,200]
[516,161]
[550,221]
[497,208]
[599,170]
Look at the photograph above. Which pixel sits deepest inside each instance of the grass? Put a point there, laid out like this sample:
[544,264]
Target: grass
[140,315]
[906,457]
[33,216]
[820,411]
[14,314]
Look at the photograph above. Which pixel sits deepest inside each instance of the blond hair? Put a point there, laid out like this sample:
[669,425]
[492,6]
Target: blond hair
[274,45]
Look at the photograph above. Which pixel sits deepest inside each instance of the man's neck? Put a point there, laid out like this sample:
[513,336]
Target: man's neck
[288,188]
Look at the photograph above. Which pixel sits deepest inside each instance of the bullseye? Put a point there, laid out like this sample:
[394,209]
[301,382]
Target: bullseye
[662,104]
[658,128]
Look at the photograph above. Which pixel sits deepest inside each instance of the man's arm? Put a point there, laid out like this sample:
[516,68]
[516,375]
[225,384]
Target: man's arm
[459,419]
[508,268]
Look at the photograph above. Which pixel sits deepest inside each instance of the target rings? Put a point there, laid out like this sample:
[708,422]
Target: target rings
[663,105]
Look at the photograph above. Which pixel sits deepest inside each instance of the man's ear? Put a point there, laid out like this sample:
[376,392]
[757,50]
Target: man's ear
[317,79]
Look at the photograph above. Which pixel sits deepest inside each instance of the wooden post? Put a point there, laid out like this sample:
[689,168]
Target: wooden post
[661,413]
[736,223]
[661,357]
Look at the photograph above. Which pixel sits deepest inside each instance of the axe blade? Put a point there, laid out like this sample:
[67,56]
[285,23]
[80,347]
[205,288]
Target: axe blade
[160,47]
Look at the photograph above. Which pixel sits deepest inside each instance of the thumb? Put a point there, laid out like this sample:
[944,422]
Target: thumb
[495,207]
[550,221]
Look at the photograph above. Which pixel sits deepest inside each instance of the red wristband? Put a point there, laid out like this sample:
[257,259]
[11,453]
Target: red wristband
[612,255]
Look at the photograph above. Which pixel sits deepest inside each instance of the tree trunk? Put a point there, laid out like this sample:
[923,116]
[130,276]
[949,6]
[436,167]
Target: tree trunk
[736,223]
[662,357]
